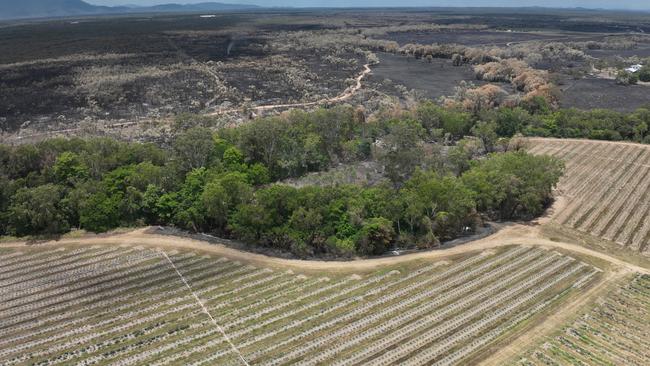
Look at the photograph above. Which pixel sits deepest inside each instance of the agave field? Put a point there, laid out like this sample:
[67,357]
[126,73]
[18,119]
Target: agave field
[136,306]
[607,189]
[614,332]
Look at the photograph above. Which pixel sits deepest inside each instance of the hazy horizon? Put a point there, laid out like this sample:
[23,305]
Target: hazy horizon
[593,4]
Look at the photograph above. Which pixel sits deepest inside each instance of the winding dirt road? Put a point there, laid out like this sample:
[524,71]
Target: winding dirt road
[347,94]
[514,234]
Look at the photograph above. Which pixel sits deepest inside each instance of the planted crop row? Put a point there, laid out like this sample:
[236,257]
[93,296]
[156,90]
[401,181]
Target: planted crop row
[613,332]
[607,189]
[130,307]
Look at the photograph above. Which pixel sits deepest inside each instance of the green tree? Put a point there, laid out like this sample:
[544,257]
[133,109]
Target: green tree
[233,160]
[194,148]
[38,210]
[375,236]
[307,223]
[215,201]
[250,222]
[188,212]
[237,188]
[25,159]
[437,205]
[509,121]
[258,174]
[280,201]
[486,132]
[514,184]
[401,150]
[455,123]
[68,168]
[150,199]
[100,212]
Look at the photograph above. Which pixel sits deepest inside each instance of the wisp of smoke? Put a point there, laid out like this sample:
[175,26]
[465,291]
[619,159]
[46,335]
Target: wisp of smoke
[232,43]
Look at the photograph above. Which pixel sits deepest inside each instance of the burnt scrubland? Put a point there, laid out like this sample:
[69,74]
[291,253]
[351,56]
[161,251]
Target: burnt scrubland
[130,77]
[203,104]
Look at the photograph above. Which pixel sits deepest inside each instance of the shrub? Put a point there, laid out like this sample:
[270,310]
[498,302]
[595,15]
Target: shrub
[375,236]
[626,78]
[644,74]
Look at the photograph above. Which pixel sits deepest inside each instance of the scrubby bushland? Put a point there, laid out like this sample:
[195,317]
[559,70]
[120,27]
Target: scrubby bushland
[532,118]
[644,74]
[220,183]
[513,184]
[599,124]
[535,117]
[626,78]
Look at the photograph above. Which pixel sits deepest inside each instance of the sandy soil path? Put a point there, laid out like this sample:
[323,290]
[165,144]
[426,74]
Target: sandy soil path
[347,94]
[514,234]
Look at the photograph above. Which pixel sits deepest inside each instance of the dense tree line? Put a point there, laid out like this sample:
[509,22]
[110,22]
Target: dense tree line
[222,183]
[536,118]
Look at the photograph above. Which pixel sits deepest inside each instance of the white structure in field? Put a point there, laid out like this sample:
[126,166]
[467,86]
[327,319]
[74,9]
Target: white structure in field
[634,68]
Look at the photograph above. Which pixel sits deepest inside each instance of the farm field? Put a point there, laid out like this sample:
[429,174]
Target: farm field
[606,189]
[110,305]
[614,332]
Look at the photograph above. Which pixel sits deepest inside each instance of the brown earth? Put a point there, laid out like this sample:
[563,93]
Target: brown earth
[511,234]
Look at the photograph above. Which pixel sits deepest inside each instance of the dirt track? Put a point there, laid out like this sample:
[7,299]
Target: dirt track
[514,234]
[347,94]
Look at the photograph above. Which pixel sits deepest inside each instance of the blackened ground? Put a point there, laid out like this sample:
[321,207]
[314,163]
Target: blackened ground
[643,50]
[470,37]
[590,93]
[433,80]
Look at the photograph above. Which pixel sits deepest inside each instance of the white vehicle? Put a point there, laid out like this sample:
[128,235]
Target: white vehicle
[634,68]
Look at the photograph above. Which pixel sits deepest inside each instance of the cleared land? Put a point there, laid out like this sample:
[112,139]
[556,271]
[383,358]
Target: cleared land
[114,305]
[606,189]
[614,332]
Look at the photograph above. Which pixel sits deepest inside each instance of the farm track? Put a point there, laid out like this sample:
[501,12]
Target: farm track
[271,317]
[512,234]
[345,95]
[606,186]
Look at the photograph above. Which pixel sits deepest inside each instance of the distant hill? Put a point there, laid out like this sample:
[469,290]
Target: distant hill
[22,9]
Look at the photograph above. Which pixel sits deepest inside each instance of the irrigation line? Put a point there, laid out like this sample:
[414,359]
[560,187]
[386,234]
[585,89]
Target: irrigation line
[205,310]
